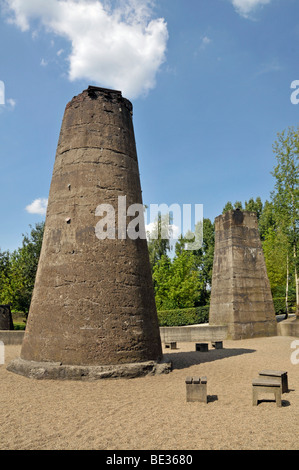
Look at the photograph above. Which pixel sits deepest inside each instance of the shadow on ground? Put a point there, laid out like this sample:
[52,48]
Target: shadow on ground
[284,403]
[184,359]
[212,398]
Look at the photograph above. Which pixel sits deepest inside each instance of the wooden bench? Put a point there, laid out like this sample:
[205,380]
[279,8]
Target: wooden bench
[203,347]
[171,345]
[282,375]
[266,385]
[217,344]
[196,389]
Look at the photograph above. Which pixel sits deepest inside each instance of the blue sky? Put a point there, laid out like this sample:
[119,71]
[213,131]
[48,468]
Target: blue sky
[210,82]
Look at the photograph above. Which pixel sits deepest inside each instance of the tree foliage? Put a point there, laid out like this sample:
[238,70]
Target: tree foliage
[177,282]
[182,280]
[285,199]
[158,239]
[275,252]
[18,270]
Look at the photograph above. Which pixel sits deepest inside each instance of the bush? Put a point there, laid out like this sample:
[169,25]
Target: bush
[280,305]
[184,316]
[19,326]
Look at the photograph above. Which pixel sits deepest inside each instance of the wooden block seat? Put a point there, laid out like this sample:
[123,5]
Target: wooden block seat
[217,344]
[281,375]
[266,385]
[170,345]
[196,389]
[203,347]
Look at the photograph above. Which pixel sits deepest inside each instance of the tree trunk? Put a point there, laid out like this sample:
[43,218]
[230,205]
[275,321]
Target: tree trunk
[297,283]
[287,289]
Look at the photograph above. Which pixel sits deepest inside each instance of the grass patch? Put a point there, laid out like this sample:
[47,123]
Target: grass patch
[19,320]
[19,326]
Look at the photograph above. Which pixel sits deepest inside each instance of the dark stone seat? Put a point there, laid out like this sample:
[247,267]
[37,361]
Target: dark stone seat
[6,322]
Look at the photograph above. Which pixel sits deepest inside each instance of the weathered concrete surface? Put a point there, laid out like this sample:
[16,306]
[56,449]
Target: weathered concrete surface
[289,327]
[186,334]
[196,389]
[6,322]
[241,297]
[58,371]
[12,337]
[93,301]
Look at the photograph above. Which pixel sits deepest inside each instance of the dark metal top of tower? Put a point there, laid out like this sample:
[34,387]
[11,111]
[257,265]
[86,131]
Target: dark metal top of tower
[92,88]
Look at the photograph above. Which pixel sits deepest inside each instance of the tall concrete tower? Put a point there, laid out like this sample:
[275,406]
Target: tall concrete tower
[241,297]
[93,312]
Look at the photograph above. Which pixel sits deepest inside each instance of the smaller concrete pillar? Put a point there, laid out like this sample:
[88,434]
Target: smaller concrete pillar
[241,297]
[196,389]
[202,347]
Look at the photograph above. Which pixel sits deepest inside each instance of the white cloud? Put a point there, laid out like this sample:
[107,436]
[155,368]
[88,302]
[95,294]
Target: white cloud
[38,206]
[151,227]
[173,231]
[205,41]
[11,102]
[43,63]
[246,7]
[118,47]
[269,67]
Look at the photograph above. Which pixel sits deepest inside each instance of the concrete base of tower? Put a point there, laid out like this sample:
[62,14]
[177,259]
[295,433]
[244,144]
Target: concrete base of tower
[58,371]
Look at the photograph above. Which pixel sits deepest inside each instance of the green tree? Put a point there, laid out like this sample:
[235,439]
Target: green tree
[228,207]
[177,282]
[203,256]
[22,269]
[238,205]
[162,274]
[208,253]
[158,239]
[266,219]
[186,282]
[275,250]
[254,206]
[4,276]
[285,197]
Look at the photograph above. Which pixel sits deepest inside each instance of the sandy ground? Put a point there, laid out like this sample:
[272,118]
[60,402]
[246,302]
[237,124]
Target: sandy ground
[151,413]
